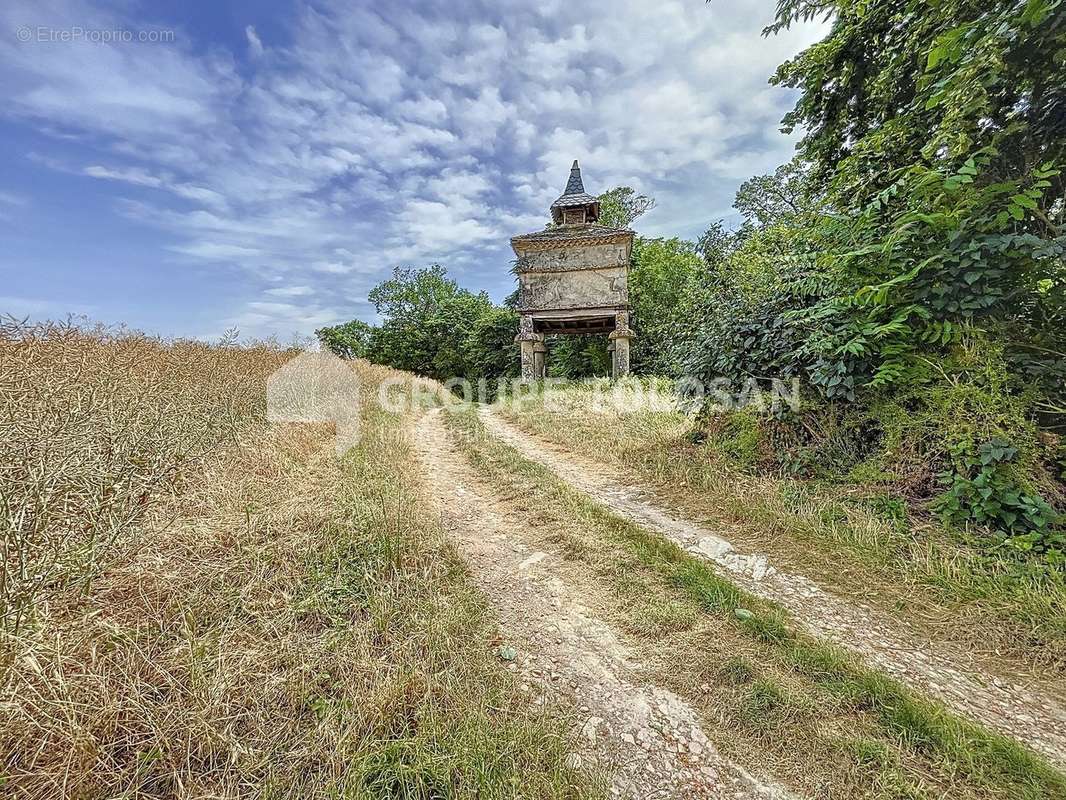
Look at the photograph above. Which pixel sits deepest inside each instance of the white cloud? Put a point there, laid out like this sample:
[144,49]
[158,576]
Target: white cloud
[255,44]
[386,134]
[291,291]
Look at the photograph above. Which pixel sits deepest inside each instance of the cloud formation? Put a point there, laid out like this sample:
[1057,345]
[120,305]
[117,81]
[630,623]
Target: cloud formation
[392,134]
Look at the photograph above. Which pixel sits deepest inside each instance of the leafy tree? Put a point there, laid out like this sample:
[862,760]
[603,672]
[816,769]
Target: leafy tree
[907,82]
[424,321]
[716,243]
[781,198]
[350,340]
[622,206]
[432,327]
[915,251]
[413,293]
[663,273]
[491,348]
[937,131]
[450,327]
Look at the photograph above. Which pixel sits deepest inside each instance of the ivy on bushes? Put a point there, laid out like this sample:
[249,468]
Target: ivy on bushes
[910,262]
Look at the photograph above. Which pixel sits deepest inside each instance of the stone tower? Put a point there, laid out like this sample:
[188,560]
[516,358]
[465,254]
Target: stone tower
[573,278]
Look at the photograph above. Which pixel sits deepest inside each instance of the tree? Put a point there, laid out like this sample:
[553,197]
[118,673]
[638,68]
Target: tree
[664,272]
[491,348]
[349,340]
[780,198]
[936,129]
[622,206]
[450,328]
[907,82]
[916,251]
[433,328]
[412,301]
[413,293]
[716,243]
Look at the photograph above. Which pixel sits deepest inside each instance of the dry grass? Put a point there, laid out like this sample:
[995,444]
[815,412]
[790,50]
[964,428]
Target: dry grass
[206,606]
[921,573]
[97,428]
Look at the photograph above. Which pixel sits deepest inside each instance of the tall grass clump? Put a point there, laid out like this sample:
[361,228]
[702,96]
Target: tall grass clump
[96,426]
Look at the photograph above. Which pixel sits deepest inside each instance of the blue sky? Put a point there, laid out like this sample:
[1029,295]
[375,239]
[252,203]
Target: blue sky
[272,161]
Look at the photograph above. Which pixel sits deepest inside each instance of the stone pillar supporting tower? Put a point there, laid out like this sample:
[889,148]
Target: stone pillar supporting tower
[620,338]
[573,279]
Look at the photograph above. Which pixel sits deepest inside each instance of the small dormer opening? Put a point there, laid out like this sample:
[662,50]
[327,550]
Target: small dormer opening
[573,216]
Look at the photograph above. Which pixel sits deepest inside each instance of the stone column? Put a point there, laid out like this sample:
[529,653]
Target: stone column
[539,354]
[526,349]
[527,341]
[620,339]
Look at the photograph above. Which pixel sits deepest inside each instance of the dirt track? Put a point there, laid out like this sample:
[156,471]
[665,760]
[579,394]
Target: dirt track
[882,642]
[647,739]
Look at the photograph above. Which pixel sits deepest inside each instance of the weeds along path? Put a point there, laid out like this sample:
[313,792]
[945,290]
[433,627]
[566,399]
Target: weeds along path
[648,739]
[880,641]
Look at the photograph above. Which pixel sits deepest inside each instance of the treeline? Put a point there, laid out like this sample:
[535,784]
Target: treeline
[432,327]
[908,267]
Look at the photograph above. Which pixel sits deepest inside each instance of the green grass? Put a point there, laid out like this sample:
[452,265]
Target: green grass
[926,738]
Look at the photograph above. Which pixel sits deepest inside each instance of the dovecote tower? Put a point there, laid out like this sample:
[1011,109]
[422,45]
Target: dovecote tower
[573,279]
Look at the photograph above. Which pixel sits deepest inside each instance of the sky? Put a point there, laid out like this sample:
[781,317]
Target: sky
[189,168]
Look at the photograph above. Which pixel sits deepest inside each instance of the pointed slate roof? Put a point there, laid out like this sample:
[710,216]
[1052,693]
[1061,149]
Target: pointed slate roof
[574,185]
[574,194]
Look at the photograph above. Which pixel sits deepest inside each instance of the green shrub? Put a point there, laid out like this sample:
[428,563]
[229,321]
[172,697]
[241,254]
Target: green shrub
[983,488]
[738,435]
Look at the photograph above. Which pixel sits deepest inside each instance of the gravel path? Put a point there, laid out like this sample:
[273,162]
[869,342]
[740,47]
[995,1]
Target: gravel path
[647,739]
[883,642]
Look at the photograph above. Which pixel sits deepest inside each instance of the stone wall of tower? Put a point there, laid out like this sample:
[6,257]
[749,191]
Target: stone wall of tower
[575,256]
[573,279]
[586,288]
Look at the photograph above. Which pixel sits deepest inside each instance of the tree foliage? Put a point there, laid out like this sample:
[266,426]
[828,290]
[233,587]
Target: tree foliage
[786,196]
[906,82]
[622,206]
[938,131]
[432,327]
[914,250]
[662,275]
[348,340]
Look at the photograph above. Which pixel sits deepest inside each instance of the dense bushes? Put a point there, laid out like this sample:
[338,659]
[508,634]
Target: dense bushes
[909,266]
